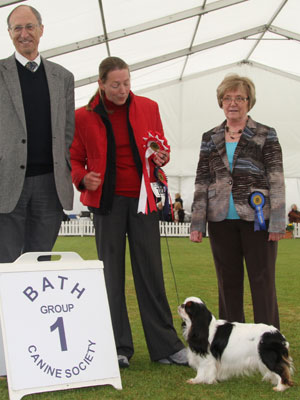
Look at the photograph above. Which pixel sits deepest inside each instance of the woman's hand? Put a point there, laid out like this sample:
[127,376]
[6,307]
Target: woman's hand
[196,236]
[275,236]
[161,157]
[92,181]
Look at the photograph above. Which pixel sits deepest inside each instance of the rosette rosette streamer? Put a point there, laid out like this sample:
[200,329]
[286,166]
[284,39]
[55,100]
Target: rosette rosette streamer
[257,202]
[153,143]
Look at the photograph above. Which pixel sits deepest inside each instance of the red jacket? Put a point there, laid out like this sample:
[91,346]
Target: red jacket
[88,151]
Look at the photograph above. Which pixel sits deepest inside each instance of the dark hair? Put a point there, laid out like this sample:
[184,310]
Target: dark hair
[34,11]
[106,66]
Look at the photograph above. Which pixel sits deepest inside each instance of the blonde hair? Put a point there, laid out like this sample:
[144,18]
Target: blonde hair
[177,205]
[234,82]
[111,64]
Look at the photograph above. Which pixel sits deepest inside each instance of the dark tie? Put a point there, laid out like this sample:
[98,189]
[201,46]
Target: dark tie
[31,65]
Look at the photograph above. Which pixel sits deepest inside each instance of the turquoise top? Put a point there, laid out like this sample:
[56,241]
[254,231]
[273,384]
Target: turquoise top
[230,149]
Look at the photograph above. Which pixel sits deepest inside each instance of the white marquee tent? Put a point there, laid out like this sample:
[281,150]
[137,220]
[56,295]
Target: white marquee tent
[179,51]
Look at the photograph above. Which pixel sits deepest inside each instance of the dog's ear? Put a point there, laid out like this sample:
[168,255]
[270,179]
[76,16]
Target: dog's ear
[198,335]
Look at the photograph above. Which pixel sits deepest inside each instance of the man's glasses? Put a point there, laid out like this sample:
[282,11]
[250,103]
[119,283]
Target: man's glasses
[238,99]
[28,27]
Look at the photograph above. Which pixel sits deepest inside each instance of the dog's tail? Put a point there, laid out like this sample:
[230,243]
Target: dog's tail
[274,353]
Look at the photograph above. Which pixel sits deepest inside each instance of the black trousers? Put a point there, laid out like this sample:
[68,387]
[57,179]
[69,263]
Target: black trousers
[232,242]
[145,253]
[34,223]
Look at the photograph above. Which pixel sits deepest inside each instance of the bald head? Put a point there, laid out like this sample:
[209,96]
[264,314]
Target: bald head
[32,9]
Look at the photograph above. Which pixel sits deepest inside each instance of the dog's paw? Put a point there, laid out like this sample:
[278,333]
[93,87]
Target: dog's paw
[280,387]
[192,381]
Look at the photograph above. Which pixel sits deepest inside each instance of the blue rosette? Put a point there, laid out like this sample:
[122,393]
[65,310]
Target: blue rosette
[257,201]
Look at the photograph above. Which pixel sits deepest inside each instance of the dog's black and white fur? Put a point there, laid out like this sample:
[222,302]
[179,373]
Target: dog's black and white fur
[219,349]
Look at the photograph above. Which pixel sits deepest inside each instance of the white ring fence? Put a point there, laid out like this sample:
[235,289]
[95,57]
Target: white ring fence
[85,227]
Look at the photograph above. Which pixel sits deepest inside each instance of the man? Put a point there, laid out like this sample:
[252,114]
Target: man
[36,132]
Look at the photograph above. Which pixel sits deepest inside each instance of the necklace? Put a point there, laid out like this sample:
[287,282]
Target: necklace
[232,133]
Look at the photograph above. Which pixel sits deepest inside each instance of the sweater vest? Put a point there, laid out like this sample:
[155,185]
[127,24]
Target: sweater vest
[36,103]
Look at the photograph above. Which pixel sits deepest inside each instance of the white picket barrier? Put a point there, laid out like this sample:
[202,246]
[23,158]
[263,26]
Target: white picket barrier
[296,233]
[171,229]
[77,227]
[85,227]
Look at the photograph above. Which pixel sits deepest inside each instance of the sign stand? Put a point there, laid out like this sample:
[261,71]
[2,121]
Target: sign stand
[56,325]
[2,358]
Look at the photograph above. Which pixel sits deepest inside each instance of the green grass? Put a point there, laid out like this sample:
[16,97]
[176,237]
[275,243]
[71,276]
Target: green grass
[195,276]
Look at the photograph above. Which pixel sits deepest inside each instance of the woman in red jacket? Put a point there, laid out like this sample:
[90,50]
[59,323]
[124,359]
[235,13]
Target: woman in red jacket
[108,158]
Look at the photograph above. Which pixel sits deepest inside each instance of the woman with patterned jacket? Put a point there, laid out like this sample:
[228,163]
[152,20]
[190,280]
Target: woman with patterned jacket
[240,192]
[108,162]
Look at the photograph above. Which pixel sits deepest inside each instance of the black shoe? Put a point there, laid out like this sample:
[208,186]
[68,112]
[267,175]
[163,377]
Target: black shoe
[123,361]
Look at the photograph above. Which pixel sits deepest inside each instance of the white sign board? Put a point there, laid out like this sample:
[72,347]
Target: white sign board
[56,325]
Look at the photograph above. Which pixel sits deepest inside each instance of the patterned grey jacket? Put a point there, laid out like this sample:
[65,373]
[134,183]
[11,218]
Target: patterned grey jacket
[257,166]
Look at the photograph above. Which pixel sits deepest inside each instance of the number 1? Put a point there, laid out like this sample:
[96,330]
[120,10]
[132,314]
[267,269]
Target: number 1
[59,324]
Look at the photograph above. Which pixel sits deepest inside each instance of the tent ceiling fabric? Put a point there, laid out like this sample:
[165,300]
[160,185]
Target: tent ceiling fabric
[163,40]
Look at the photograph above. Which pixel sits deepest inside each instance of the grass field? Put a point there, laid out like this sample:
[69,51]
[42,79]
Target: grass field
[195,276]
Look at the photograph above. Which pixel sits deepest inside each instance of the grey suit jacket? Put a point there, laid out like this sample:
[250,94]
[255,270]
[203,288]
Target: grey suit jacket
[13,134]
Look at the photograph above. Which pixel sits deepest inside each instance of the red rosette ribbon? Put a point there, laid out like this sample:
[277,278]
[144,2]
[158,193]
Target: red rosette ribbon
[154,141]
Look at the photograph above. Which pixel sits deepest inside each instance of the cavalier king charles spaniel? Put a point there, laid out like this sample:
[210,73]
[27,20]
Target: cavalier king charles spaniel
[218,349]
